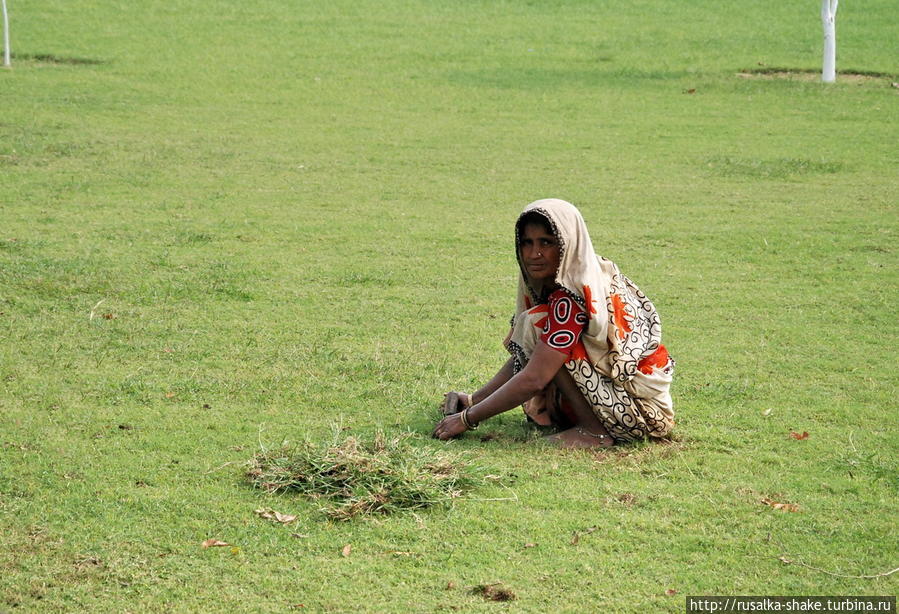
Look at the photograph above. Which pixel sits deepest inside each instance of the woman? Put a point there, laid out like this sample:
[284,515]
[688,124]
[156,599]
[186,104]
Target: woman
[585,344]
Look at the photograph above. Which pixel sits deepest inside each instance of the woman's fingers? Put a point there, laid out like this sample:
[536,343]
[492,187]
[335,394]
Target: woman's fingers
[440,429]
[449,427]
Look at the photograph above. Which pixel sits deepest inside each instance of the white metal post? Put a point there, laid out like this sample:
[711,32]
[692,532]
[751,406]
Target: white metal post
[828,20]
[6,61]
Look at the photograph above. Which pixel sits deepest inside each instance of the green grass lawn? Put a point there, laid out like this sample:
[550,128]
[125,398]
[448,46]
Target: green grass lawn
[227,225]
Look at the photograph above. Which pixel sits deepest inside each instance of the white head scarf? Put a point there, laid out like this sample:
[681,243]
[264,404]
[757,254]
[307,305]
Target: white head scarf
[623,324]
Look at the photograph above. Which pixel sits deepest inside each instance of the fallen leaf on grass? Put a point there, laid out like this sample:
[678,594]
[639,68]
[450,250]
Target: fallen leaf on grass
[85,562]
[214,543]
[767,412]
[799,436]
[346,550]
[170,395]
[671,592]
[784,560]
[299,535]
[269,514]
[786,507]
[692,90]
[530,545]
[109,316]
[450,586]
[494,592]
[576,537]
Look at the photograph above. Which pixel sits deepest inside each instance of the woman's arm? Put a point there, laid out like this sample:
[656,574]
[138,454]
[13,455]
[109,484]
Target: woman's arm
[543,365]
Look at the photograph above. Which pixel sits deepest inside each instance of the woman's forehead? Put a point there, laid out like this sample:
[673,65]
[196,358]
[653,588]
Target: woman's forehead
[533,228]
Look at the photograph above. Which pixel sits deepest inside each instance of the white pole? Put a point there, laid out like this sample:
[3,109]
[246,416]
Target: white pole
[6,61]
[828,20]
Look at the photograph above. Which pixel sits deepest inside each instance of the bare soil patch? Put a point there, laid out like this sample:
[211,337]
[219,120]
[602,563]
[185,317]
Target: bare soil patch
[812,75]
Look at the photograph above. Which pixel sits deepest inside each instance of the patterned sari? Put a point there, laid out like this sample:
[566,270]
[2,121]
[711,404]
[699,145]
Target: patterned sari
[618,362]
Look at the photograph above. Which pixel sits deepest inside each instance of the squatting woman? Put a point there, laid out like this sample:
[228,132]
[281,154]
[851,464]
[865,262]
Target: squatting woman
[585,345]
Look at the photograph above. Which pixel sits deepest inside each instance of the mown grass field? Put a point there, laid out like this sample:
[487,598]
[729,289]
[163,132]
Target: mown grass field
[224,225]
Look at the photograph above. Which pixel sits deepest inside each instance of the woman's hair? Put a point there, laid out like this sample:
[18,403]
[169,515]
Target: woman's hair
[532,217]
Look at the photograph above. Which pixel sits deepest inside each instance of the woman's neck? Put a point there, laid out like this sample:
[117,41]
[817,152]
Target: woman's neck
[544,290]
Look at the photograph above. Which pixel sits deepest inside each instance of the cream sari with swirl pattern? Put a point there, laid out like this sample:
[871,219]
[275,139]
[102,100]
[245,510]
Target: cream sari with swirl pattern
[622,368]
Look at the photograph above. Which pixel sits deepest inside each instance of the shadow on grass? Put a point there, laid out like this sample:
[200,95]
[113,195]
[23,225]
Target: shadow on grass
[633,451]
[49,58]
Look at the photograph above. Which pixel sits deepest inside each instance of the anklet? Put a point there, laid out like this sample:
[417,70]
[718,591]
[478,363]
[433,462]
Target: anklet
[584,431]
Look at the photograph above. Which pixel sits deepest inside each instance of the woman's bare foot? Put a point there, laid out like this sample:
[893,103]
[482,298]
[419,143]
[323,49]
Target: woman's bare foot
[579,437]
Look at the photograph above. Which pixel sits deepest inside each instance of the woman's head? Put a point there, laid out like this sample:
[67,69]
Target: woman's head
[539,249]
[576,267]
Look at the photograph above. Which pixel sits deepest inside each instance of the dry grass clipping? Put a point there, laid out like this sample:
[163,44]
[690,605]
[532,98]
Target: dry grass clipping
[352,477]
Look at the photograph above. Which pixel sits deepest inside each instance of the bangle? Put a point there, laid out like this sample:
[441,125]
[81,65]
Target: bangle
[469,425]
[470,399]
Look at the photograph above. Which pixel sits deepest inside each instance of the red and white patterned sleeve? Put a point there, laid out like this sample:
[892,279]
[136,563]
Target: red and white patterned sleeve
[565,323]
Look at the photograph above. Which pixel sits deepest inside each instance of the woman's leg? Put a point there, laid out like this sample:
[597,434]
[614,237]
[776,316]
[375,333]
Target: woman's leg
[588,431]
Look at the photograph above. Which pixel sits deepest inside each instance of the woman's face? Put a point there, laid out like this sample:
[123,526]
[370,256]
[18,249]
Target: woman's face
[540,252]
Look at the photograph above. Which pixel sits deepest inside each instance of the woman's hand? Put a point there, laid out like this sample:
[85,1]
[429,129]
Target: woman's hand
[449,427]
[454,401]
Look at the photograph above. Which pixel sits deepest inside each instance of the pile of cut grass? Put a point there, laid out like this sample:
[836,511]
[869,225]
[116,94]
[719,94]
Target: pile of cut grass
[353,477]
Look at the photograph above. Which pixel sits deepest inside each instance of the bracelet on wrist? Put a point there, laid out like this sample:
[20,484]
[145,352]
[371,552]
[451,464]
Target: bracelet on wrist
[469,425]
